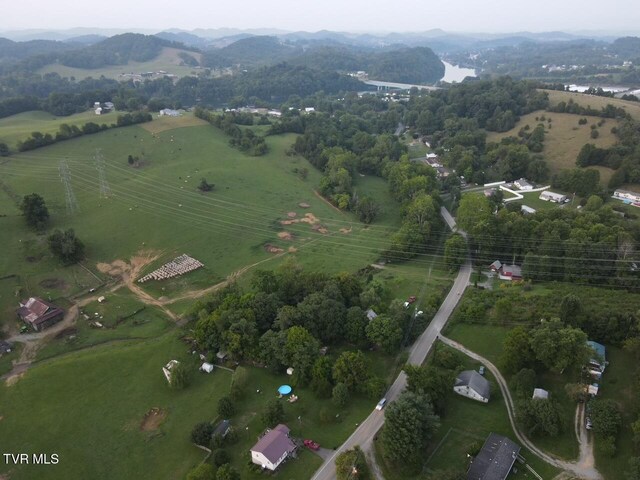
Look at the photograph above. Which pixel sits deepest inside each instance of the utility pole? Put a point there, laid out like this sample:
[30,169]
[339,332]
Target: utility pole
[98,158]
[70,198]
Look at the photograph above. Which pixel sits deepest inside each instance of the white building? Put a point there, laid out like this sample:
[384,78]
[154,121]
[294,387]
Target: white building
[527,210]
[549,196]
[472,385]
[627,196]
[273,448]
[540,394]
[523,184]
[98,111]
[169,112]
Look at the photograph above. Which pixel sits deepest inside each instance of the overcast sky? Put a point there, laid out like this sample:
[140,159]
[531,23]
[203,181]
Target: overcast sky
[343,15]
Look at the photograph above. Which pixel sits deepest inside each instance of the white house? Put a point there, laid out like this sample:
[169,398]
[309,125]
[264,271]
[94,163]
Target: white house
[523,184]
[273,448]
[627,196]
[98,111]
[168,112]
[167,369]
[309,109]
[527,210]
[472,385]
[549,196]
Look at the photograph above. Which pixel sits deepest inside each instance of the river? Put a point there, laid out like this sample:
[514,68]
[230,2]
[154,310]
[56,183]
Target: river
[453,73]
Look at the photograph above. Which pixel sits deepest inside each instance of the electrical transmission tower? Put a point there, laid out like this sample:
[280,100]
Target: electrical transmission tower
[98,158]
[70,198]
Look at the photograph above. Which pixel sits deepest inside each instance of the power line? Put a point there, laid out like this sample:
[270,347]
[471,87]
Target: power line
[70,198]
[98,159]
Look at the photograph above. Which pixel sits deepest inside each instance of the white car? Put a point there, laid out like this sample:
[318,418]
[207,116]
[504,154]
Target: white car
[381,404]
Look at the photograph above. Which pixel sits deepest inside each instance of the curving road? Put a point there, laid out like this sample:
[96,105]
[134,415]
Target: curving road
[364,434]
[584,468]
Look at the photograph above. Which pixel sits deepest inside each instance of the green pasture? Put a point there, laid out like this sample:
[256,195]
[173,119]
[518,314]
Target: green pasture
[19,127]
[88,407]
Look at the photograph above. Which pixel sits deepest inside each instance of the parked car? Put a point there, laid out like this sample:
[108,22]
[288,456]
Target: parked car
[588,423]
[381,404]
[310,444]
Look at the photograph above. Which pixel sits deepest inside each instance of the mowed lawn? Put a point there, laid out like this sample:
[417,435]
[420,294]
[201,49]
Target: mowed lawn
[565,137]
[466,424]
[157,207]
[88,408]
[168,60]
[487,340]
[21,126]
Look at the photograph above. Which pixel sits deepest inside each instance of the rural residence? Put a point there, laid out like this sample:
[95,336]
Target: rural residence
[222,429]
[472,385]
[523,184]
[168,112]
[506,272]
[627,196]
[39,314]
[495,460]
[273,448]
[549,196]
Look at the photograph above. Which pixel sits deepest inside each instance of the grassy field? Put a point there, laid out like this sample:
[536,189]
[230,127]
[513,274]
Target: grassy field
[157,207]
[556,96]
[168,61]
[89,408]
[615,385]
[19,127]
[565,138]
[532,199]
[467,423]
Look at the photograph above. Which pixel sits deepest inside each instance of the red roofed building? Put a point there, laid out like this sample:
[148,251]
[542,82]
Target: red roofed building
[39,314]
[273,448]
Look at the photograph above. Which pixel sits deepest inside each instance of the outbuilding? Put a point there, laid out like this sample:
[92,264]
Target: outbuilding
[39,314]
[472,385]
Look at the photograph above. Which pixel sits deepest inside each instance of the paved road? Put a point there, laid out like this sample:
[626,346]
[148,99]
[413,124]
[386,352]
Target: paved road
[584,468]
[364,434]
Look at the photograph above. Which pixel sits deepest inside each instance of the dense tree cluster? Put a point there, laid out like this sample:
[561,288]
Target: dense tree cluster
[592,246]
[35,211]
[243,139]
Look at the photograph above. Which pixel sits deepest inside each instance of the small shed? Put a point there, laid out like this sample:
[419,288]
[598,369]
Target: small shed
[5,347]
[290,371]
[371,314]
[496,266]
[221,356]
[540,394]
[207,367]
[101,299]
[222,429]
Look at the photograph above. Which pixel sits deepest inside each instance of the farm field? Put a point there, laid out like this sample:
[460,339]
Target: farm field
[157,209]
[89,407]
[465,424]
[556,96]
[565,138]
[19,127]
[168,61]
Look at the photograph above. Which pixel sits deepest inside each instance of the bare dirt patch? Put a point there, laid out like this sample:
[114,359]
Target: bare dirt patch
[310,218]
[56,283]
[292,250]
[285,236]
[153,419]
[292,214]
[273,249]
[304,205]
[346,230]
[320,228]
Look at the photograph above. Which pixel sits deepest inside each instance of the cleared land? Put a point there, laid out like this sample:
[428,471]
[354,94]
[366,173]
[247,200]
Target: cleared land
[168,61]
[565,138]
[19,127]
[556,96]
[164,123]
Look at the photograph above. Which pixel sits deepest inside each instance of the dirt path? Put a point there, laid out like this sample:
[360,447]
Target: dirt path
[583,468]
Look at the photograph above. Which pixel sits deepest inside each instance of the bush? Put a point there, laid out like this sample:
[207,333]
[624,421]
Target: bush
[273,413]
[340,395]
[226,407]
[201,433]
[220,457]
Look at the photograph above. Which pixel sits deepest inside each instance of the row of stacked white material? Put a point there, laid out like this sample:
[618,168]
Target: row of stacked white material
[178,266]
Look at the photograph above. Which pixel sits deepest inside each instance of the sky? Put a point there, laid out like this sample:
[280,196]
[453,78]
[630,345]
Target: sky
[492,16]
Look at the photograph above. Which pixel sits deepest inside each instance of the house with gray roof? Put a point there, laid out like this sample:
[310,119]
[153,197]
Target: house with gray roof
[472,385]
[273,448]
[495,460]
